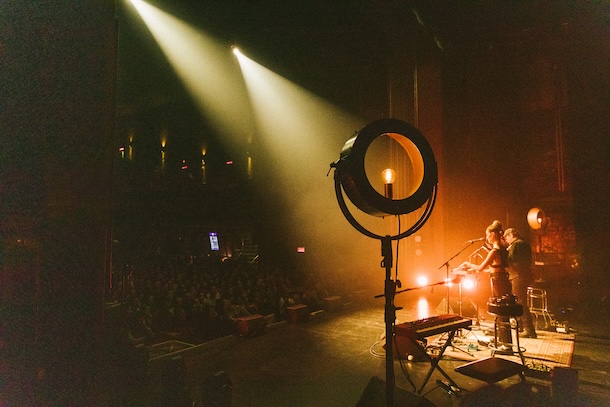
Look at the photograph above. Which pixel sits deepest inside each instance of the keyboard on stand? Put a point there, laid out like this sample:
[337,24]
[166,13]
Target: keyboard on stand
[409,335]
[438,324]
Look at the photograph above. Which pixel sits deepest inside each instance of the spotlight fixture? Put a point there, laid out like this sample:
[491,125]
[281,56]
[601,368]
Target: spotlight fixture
[352,175]
[537,220]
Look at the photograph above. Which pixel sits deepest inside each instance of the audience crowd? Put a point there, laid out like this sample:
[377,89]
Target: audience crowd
[196,299]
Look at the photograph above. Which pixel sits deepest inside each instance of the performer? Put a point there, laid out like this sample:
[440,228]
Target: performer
[520,275]
[496,261]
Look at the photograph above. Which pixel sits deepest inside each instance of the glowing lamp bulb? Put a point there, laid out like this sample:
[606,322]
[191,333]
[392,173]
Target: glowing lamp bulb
[468,284]
[389,176]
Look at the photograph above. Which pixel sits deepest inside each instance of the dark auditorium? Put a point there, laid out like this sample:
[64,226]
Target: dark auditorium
[304,203]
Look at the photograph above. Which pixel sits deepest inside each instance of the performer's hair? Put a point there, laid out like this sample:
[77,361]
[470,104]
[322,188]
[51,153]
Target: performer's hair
[512,231]
[496,226]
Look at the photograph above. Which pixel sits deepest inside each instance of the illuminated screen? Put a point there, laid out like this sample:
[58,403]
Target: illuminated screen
[214,241]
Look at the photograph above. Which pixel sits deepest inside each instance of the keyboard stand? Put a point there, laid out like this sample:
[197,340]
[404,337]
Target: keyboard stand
[436,359]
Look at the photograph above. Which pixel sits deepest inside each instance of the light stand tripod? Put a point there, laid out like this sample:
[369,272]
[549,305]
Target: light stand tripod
[390,285]
[351,177]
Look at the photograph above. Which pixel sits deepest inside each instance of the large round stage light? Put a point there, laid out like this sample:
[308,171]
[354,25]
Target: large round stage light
[353,177]
[418,171]
[420,175]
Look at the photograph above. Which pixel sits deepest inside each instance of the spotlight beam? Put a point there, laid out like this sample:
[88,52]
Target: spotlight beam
[204,67]
[299,131]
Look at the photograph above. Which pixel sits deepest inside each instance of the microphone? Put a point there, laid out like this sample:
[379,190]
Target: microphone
[476,240]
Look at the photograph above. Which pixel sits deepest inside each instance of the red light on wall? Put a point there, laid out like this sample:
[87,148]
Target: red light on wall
[230,162]
[300,250]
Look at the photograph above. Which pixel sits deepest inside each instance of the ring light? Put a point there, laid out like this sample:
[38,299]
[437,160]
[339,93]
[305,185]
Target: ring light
[352,175]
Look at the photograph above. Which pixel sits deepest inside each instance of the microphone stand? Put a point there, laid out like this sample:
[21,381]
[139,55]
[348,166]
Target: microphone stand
[447,267]
[419,287]
[477,253]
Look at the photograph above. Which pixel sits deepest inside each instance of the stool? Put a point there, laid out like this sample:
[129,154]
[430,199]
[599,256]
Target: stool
[537,302]
[506,308]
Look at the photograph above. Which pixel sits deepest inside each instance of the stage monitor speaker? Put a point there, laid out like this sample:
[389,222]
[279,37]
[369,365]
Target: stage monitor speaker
[173,381]
[251,325]
[375,396]
[298,313]
[217,390]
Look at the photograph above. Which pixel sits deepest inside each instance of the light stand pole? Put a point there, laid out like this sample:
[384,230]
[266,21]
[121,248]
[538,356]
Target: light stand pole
[389,317]
[351,178]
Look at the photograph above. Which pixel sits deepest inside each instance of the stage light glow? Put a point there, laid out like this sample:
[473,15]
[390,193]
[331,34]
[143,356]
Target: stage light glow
[204,66]
[422,281]
[388,175]
[423,308]
[468,283]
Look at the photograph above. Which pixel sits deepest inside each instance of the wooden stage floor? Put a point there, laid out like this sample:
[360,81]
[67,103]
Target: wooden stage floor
[328,361]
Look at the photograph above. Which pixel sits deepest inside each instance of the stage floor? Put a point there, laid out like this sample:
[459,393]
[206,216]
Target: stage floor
[328,361]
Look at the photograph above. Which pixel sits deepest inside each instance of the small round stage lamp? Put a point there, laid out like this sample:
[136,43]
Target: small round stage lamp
[537,220]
